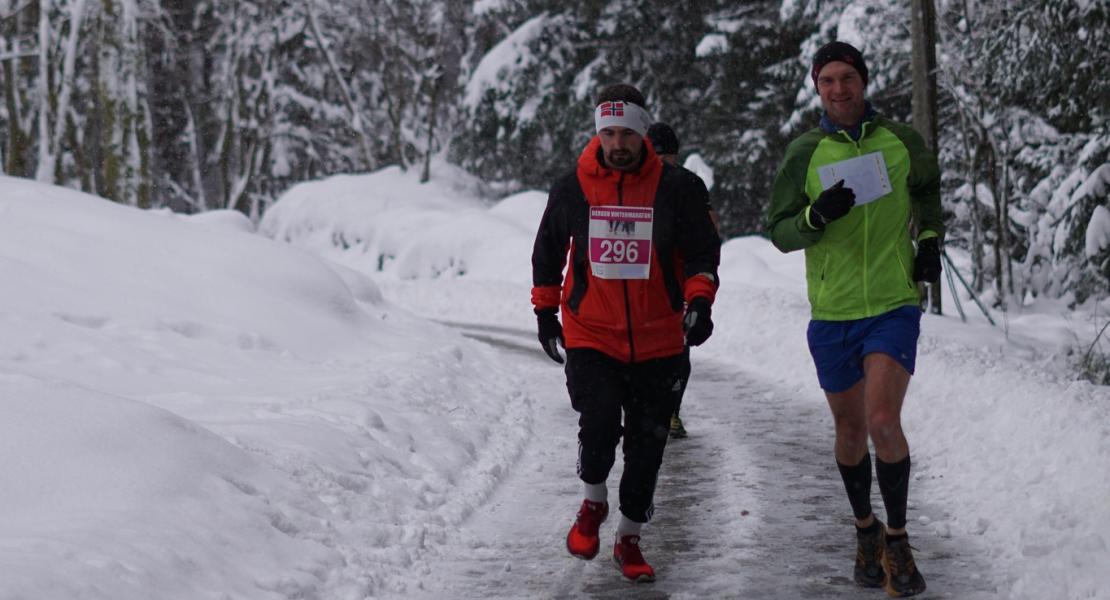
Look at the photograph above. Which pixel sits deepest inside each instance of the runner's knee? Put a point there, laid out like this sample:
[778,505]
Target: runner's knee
[884,426]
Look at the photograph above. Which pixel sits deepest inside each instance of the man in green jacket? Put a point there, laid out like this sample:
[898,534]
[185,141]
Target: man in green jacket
[849,193]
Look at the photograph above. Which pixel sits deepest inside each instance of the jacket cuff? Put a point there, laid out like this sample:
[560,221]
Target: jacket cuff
[809,221]
[804,225]
[700,285]
[546,296]
[928,233]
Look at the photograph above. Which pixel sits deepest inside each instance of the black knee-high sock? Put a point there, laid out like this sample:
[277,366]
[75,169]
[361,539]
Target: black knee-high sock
[894,483]
[857,482]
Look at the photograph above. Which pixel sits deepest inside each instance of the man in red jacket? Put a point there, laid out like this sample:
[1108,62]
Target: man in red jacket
[641,278]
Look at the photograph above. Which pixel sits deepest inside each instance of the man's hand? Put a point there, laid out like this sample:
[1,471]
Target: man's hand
[832,204]
[926,265]
[697,323]
[551,333]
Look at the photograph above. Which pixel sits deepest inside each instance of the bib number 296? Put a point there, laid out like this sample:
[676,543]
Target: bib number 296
[619,251]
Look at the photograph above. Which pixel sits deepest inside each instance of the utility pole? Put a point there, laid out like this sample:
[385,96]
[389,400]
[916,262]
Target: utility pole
[924,68]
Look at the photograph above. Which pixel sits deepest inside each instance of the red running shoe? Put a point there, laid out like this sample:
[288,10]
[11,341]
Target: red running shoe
[626,553]
[582,540]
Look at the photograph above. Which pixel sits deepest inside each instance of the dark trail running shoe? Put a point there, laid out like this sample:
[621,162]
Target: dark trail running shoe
[902,577]
[869,556]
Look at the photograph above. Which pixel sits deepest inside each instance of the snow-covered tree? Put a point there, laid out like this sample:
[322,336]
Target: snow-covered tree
[1026,128]
[749,57]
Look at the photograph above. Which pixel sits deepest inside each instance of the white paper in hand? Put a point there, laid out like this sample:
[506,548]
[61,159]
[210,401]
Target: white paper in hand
[866,176]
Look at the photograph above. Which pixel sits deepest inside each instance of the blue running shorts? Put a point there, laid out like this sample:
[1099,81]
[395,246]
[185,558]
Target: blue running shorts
[838,347]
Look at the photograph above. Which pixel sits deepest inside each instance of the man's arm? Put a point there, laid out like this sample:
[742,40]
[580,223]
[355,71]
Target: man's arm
[549,253]
[697,240]
[924,187]
[788,220]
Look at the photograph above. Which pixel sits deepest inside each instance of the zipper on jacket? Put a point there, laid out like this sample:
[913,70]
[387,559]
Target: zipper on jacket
[866,219]
[624,283]
[866,232]
[821,286]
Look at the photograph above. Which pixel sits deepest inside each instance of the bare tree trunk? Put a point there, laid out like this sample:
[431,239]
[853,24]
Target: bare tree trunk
[398,88]
[44,89]
[192,136]
[94,124]
[348,95]
[1005,227]
[971,165]
[433,109]
[924,63]
[395,109]
[48,156]
[999,224]
[134,124]
[17,161]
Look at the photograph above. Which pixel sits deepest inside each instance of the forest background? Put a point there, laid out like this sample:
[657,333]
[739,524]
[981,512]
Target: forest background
[195,105]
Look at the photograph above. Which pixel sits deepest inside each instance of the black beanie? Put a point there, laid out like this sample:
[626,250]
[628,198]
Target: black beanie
[663,138]
[834,51]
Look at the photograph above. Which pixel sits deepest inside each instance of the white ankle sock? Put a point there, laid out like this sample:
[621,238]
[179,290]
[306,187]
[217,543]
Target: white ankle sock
[597,492]
[628,527]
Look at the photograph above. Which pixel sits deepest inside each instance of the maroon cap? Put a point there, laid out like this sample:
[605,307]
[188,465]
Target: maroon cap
[838,51]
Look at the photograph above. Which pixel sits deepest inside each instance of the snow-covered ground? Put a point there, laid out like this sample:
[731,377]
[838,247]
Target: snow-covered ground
[195,410]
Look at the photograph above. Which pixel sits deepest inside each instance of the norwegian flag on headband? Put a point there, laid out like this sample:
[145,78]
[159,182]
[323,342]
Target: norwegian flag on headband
[618,113]
[612,109]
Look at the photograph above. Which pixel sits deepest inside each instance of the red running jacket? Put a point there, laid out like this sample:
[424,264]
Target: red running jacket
[631,320]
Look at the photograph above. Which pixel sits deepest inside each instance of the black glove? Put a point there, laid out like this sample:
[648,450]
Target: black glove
[551,333]
[832,204]
[926,265]
[697,324]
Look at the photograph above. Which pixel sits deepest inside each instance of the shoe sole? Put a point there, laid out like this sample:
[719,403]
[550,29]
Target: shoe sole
[893,593]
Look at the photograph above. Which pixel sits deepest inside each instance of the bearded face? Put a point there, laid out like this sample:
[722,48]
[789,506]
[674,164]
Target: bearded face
[621,147]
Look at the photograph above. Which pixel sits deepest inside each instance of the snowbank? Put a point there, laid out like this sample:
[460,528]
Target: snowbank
[193,411]
[386,223]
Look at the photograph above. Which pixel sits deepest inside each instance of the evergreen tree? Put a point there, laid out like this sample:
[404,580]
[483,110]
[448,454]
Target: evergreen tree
[749,55]
[1028,130]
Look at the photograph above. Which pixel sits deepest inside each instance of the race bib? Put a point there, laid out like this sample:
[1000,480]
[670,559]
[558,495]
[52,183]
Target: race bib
[620,241]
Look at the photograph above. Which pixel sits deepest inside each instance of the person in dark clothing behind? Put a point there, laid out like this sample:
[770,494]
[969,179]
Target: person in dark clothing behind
[665,141]
[861,265]
[630,303]
[663,138]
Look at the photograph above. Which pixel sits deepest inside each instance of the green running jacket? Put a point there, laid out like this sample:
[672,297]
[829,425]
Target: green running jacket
[860,265]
